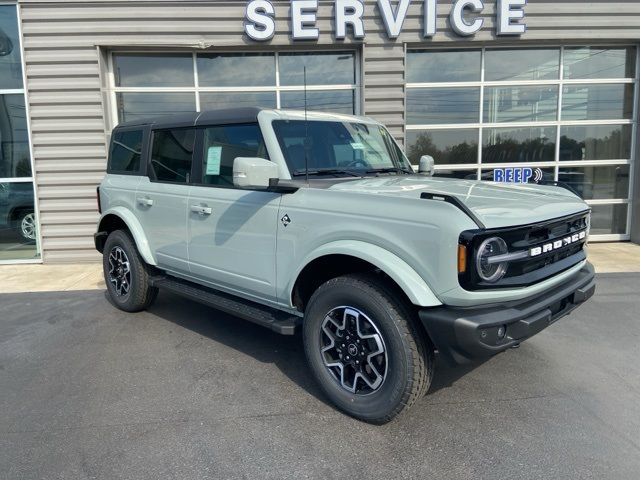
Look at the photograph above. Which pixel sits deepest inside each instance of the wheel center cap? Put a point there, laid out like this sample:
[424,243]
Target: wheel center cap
[352,349]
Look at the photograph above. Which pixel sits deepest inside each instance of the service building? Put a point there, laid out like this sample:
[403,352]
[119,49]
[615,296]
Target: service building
[509,90]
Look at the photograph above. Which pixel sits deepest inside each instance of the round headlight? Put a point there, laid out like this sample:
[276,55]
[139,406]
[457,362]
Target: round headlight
[491,271]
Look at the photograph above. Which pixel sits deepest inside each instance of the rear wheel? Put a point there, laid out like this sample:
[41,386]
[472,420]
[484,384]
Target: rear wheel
[126,274]
[364,348]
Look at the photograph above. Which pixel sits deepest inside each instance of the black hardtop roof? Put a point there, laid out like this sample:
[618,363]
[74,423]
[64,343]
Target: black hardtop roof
[209,117]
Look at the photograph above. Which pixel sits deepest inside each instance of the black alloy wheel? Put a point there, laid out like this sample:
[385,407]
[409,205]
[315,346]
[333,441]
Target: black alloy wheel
[365,348]
[126,274]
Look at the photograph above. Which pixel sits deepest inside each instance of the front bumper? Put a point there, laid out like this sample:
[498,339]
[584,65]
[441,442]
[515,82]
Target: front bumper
[464,334]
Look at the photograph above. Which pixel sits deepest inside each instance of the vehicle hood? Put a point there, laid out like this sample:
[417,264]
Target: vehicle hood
[496,205]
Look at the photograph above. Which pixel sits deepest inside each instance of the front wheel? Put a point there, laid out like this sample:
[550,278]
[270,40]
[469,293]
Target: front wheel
[126,274]
[364,348]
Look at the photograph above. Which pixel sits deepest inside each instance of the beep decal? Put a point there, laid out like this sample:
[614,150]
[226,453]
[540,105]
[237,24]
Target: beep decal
[517,175]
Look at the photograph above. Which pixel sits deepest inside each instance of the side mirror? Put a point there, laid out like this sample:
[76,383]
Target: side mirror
[253,173]
[427,165]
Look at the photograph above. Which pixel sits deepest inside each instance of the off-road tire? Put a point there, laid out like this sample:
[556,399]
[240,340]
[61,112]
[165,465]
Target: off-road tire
[409,352]
[141,294]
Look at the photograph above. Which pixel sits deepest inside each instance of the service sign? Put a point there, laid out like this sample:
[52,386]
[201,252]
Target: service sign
[464,17]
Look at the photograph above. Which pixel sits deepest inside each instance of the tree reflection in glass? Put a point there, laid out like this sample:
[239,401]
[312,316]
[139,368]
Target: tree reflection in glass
[596,142]
[445,146]
[517,145]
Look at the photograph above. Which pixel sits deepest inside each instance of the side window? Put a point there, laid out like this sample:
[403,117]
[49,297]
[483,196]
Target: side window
[172,154]
[126,151]
[222,144]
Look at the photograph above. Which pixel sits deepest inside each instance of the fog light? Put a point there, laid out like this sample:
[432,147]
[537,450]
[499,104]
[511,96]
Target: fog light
[502,331]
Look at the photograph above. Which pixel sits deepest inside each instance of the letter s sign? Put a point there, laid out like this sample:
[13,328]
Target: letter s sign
[259,20]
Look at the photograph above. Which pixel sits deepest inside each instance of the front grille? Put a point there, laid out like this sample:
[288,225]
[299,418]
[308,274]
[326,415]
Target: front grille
[537,264]
[552,247]
[539,236]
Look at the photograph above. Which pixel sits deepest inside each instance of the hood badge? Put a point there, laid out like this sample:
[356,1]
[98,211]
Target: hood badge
[286,220]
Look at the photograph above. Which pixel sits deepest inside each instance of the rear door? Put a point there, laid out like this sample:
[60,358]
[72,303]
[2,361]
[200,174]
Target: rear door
[162,197]
[232,232]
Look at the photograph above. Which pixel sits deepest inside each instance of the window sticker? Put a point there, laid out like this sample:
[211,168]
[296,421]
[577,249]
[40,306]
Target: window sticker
[214,154]
[357,146]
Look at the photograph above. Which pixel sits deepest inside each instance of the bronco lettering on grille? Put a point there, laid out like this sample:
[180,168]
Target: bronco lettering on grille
[558,244]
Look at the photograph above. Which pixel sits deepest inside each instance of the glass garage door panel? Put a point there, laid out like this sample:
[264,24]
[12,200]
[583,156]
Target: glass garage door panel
[521,65]
[323,68]
[430,106]
[444,66]
[565,113]
[447,147]
[597,102]
[609,219]
[10,61]
[229,70]
[520,104]
[595,142]
[598,183]
[136,106]
[214,101]
[516,145]
[336,101]
[599,62]
[153,70]
[15,158]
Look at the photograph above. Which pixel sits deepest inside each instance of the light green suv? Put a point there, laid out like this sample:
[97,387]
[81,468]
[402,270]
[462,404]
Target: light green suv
[317,222]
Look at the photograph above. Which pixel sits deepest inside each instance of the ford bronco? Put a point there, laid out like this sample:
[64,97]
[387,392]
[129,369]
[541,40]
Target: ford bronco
[317,222]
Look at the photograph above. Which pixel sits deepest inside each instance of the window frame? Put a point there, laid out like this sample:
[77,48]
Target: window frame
[559,123]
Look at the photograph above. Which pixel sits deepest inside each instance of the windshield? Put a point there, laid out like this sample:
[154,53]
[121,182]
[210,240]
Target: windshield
[332,147]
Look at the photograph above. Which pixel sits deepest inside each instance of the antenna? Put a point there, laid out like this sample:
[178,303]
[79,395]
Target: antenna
[306,130]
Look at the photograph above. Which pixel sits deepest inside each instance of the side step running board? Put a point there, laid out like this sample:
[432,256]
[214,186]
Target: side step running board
[276,320]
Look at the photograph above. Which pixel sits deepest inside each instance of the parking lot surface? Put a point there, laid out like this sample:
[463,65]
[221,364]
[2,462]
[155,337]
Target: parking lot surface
[183,391]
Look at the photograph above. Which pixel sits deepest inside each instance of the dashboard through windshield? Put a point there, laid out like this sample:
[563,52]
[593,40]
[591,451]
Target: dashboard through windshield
[333,147]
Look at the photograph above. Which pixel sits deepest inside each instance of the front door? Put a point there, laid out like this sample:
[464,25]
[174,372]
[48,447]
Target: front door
[232,232]
[162,198]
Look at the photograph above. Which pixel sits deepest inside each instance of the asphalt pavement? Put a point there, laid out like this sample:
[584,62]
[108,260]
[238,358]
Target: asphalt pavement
[183,391]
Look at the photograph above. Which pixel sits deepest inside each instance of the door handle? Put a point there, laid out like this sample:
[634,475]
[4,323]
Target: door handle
[201,210]
[145,201]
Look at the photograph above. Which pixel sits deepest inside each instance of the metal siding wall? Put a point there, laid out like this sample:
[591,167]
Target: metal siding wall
[66,99]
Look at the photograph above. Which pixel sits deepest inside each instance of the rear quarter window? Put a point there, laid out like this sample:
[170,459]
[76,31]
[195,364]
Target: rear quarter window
[172,155]
[126,152]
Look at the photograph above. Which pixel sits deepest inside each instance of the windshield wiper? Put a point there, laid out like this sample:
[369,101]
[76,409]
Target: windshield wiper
[328,171]
[391,170]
